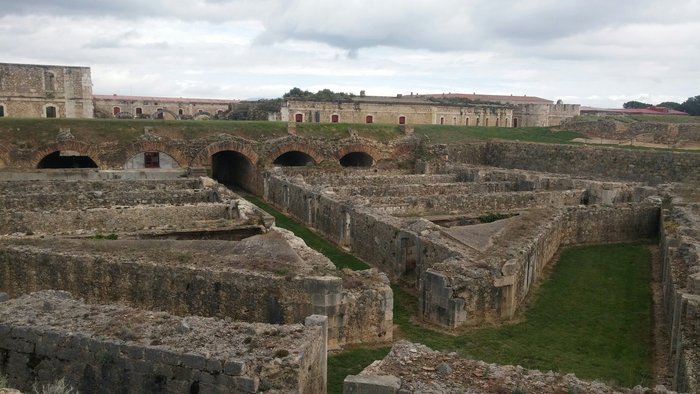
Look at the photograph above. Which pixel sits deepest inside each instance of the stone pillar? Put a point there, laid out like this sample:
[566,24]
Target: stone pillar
[322,322]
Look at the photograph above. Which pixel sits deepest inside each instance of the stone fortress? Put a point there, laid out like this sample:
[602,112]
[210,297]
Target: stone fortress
[129,276]
[66,92]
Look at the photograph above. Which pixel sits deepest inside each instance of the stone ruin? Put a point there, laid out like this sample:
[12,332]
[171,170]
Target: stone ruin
[184,248]
[471,229]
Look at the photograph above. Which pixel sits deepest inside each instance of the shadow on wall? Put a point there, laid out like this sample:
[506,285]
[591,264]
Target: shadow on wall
[66,159]
[234,169]
[357,159]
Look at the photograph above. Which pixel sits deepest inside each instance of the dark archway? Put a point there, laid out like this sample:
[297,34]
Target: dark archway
[233,169]
[58,160]
[294,159]
[357,159]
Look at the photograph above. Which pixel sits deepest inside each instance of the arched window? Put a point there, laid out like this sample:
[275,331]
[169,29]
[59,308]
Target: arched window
[2,111]
[334,118]
[139,111]
[478,120]
[402,119]
[116,110]
[180,111]
[515,122]
[369,119]
[50,111]
[442,120]
[299,118]
[466,122]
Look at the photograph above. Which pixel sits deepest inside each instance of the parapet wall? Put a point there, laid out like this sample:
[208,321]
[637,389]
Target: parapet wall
[115,349]
[583,161]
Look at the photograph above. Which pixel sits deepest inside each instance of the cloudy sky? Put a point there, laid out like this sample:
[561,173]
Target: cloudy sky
[593,52]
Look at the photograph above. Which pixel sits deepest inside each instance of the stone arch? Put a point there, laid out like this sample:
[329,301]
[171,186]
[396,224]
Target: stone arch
[204,155]
[293,146]
[162,112]
[84,149]
[153,146]
[359,148]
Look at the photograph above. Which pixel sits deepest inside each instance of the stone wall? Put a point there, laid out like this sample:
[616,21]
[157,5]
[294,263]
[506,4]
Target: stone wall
[27,90]
[358,313]
[139,106]
[390,110]
[680,251]
[583,161]
[113,349]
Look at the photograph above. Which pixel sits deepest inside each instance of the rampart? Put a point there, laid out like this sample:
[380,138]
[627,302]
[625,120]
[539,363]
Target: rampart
[115,349]
[603,163]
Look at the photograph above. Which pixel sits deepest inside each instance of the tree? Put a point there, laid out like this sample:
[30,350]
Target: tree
[691,106]
[635,104]
[670,105]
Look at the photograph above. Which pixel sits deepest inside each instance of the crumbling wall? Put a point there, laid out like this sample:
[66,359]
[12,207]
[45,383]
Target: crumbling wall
[583,161]
[678,241]
[360,314]
[113,349]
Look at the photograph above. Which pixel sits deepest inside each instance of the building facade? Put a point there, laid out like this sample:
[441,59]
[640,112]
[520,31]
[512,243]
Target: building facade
[445,109]
[396,110]
[107,106]
[44,91]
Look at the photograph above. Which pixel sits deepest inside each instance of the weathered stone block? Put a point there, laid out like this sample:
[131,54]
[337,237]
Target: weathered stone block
[359,384]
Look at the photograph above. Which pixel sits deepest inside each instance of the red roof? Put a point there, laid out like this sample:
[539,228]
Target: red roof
[494,97]
[636,111]
[163,99]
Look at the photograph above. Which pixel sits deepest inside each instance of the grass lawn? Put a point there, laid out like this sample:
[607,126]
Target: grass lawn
[441,134]
[350,362]
[592,318]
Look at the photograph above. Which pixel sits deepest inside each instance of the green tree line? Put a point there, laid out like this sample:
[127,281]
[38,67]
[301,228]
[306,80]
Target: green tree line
[691,105]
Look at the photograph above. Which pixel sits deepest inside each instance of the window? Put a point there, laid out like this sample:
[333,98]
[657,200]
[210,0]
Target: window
[334,118]
[369,119]
[180,112]
[402,119]
[49,81]
[2,111]
[139,111]
[497,122]
[116,110]
[478,120]
[442,120]
[466,122]
[159,113]
[515,122]
[200,111]
[50,111]
[218,111]
[151,159]
[299,118]
[454,121]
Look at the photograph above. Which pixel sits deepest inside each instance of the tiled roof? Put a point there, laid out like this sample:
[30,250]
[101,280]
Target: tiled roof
[494,97]
[635,111]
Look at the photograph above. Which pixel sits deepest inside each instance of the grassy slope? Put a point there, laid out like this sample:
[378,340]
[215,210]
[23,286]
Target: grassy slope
[440,134]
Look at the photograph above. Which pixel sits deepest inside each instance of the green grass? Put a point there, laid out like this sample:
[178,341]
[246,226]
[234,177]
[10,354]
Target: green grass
[375,131]
[441,134]
[340,258]
[640,118]
[350,362]
[592,318]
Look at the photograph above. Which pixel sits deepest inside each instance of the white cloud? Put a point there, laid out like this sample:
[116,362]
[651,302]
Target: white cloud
[597,52]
